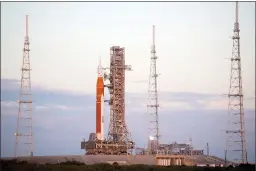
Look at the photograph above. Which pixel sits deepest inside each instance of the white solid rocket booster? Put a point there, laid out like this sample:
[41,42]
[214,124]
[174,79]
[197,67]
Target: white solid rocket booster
[102,117]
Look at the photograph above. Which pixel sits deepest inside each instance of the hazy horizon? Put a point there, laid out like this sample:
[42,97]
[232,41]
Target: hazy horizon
[66,40]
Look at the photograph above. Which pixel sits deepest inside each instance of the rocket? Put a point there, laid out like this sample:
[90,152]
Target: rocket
[100,104]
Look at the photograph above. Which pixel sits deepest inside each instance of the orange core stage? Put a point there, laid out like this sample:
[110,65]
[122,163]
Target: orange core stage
[100,104]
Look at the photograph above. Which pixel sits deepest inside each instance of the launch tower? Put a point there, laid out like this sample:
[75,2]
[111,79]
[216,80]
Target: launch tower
[119,139]
[23,134]
[236,133]
[118,130]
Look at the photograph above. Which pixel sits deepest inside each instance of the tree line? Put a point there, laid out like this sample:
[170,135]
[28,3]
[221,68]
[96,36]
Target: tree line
[16,165]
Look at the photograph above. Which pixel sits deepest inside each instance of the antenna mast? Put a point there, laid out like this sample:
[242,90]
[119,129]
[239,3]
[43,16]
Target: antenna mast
[23,132]
[152,107]
[236,132]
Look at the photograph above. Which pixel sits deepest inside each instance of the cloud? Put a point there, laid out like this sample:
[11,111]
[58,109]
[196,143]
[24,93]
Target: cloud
[165,105]
[9,108]
[9,104]
[9,84]
[12,105]
[60,107]
[42,107]
[214,104]
[167,100]
[64,107]
[222,103]
[58,114]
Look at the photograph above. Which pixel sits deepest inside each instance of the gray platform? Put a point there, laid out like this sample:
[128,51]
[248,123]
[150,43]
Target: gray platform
[92,159]
[121,159]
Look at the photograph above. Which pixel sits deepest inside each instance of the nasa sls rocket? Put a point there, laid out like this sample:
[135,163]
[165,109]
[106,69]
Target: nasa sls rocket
[100,104]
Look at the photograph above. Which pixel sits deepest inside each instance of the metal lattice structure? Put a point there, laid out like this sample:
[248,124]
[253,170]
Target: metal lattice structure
[236,132]
[119,139]
[23,132]
[152,107]
[118,130]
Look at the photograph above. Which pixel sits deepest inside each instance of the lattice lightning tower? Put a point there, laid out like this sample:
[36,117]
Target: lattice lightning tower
[152,107]
[23,132]
[118,131]
[236,133]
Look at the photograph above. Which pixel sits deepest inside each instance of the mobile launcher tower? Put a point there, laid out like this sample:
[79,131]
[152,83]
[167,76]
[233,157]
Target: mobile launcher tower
[119,139]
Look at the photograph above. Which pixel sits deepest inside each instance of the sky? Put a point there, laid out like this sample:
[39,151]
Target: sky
[66,40]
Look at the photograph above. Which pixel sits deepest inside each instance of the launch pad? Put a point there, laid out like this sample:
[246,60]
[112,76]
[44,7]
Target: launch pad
[107,147]
[119,139]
